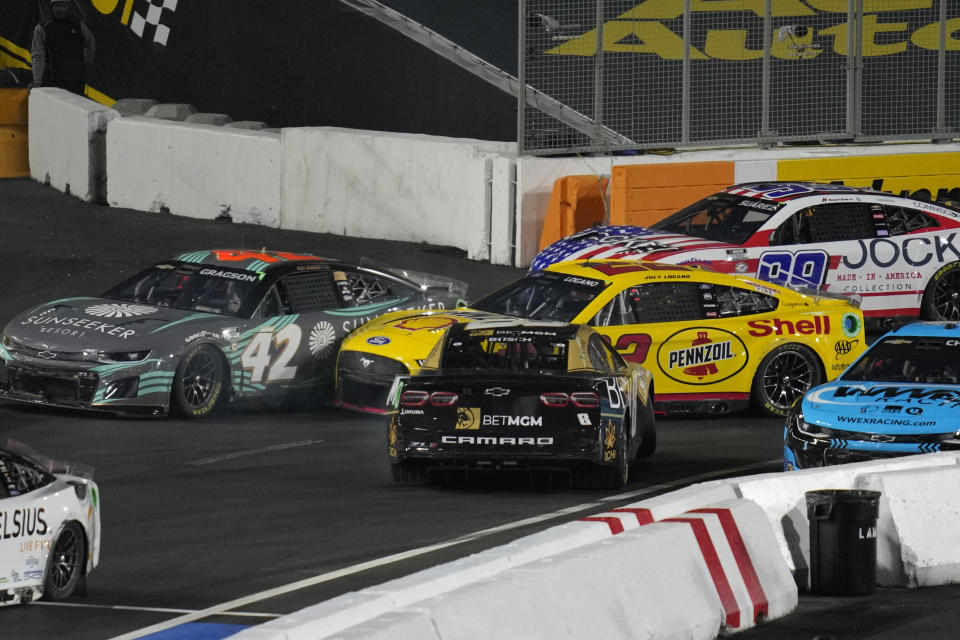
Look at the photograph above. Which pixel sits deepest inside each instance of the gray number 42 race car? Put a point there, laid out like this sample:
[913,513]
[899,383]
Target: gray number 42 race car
[207,326]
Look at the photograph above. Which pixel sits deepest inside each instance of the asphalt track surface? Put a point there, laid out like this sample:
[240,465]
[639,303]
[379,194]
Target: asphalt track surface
[214,525]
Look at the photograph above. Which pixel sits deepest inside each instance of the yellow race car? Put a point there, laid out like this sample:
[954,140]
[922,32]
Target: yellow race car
[714,342]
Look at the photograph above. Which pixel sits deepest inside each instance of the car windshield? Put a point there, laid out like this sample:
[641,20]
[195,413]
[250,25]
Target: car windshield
[543,295]
[512,350]
[909,359]
[191,287]
[724,217]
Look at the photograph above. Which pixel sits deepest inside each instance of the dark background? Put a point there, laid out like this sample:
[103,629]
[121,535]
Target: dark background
[304,62]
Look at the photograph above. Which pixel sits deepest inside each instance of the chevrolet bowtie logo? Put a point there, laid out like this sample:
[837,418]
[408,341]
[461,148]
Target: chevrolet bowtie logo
[497,392]
[47,355]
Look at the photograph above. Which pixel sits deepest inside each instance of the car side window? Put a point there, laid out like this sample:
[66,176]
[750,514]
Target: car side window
[358,287]
[830,222]
[733,301]
[600,358]
[308,292]
[271,305]
[902,220]
[19,477]
[653,302]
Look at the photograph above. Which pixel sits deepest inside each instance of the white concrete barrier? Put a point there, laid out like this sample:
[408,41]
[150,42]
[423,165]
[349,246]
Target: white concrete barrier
[918,537]
[194,170]
[349,610]
[648,583]
[394,186]
[66,134]
[759,547]
[782,497]
[687,577]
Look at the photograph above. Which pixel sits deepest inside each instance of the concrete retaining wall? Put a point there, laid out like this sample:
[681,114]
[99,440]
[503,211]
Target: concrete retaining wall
[474,195]
[392,186]
[66,134]
[194,170]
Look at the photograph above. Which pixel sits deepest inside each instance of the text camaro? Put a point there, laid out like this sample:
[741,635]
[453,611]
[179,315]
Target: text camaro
[49,526]
[901,255]
[712,341]
[901,397]
[204,327]
[503,394]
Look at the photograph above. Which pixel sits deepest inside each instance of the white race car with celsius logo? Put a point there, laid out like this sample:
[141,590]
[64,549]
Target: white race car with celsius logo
[901,255]
[49,526]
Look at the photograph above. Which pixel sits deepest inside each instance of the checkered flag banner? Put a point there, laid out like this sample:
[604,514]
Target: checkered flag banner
[153,20]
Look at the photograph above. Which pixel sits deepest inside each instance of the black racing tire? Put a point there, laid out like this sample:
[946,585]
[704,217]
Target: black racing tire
[647,427]
[200,382]
[784,375]
[409,473]
[617,475]
[941,298]
[66,562]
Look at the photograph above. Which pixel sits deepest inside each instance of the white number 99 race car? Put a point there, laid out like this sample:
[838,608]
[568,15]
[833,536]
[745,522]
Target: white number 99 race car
[900,255]
[49,526]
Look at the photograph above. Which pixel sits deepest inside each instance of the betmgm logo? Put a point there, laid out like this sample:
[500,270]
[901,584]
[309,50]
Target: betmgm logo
[149,19]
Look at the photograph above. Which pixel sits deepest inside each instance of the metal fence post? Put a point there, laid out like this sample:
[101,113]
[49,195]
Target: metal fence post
[766,138]
[685,87]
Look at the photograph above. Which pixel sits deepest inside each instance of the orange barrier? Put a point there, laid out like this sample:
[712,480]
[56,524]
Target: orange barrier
[14,151]
[642,194]
[577,202]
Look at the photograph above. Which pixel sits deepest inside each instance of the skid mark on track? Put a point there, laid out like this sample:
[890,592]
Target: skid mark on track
[253,452]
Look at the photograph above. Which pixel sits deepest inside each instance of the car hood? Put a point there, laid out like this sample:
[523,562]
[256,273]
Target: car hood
[409,328]
[613,242]
[78,324]
[884,407]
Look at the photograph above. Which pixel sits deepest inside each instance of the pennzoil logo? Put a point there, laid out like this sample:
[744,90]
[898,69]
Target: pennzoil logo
[702,355]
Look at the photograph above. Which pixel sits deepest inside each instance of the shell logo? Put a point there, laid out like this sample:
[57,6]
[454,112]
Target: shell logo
[701,355]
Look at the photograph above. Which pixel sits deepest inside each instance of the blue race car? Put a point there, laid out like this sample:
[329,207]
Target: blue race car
[901,397]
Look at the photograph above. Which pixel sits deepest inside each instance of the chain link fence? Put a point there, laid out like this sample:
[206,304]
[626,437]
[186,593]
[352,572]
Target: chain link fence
[619,75]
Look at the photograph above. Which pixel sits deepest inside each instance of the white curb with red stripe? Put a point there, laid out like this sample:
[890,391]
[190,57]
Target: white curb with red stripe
[693,576]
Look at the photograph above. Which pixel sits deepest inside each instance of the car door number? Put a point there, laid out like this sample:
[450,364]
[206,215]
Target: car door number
[640,343]
[801,268]
[258,358]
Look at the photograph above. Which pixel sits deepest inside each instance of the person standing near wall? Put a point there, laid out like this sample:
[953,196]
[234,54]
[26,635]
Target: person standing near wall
[62,50]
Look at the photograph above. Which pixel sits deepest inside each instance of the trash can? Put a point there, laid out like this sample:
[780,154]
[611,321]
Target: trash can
[843,541]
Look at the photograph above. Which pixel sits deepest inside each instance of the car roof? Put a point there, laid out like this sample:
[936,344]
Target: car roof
[614,269]
[943,329]
[780,191]
[246,259]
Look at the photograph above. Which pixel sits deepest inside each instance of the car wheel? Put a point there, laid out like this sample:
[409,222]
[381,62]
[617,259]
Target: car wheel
[409,473]
[617,475]
[65,563]
[647,428]
[941,298]
[198,384]
[784,375]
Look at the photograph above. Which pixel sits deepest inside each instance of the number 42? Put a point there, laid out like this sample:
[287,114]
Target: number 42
[256,358]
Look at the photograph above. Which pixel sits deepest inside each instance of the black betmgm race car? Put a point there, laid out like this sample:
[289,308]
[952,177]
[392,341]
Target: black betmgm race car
[509,395]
